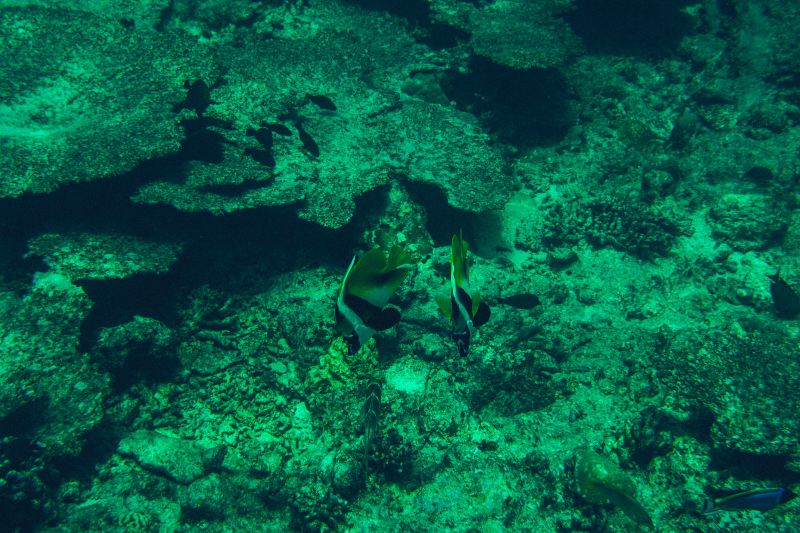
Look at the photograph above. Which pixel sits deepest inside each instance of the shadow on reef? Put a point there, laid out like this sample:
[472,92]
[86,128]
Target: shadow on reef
[522,107]
[742,465]
[24,497]
[418,13]
[442,218]
[630,27]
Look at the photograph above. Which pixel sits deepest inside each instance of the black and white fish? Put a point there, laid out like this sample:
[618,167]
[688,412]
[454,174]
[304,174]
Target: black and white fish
[463,305]
[361,304]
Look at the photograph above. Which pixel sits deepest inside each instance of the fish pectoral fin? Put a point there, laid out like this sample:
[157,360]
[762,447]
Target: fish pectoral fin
[385,319]
[481,315]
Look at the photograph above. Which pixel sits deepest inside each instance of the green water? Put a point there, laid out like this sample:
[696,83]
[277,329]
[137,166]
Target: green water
[367,266]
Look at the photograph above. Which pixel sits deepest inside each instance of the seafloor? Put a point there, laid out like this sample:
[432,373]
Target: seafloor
[183,184]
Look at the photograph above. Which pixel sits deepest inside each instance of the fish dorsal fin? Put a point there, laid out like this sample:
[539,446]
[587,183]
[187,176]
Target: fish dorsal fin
[375,277]
[458,262]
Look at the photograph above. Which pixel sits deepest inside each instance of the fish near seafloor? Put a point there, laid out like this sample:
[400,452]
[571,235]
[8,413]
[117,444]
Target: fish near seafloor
[785,298]
[368,284]
[371,413]
[462,306]
[751,500]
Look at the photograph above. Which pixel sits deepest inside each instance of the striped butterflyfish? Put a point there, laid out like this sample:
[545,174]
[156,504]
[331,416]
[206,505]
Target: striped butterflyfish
[463,306]
[361,305]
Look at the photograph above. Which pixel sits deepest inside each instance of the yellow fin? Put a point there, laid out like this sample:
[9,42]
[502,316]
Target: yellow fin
[445,303]
[458,261]
[376,275]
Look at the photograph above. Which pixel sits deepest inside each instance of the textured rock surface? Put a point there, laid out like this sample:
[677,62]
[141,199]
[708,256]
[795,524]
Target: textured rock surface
[82,256]
[44,378]
[515,33]
[178,459]
[77,114]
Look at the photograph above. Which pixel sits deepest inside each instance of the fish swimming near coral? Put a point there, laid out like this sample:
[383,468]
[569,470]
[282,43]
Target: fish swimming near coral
[322,101]
[463,306]
[785,298]
[750,500]
[361,304]
[308,141]
[371,417]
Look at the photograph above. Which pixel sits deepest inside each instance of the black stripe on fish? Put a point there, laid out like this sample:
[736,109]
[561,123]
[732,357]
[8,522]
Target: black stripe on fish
[465,300]
[482,315]
[362,308]
[385,319]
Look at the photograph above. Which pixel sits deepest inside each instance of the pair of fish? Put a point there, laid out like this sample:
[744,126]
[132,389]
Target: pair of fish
[361,304]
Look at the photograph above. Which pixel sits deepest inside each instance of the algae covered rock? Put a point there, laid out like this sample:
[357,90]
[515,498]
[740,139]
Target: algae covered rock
[78,113]
[747,221]
[748,381]
[83,256]
[141,347]
[180,460]
[446,149]
[44,378]
[601,481]
[515,33]
[330,131]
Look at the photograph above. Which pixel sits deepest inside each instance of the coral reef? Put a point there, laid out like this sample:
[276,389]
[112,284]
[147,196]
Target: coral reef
[183,184]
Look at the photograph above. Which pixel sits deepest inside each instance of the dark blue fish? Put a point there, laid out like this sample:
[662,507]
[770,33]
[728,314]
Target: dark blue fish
[751,500]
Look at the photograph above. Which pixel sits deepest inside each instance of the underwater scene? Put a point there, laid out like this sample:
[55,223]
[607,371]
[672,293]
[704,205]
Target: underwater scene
[354,266]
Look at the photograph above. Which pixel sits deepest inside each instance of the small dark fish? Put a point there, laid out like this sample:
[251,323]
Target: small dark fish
[262,135]
[751,500]
[198,97]
[308,142]
[262,156]
[785,298]
[322,101]
[280,129]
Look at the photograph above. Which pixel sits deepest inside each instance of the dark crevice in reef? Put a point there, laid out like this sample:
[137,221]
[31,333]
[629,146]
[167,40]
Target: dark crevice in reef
[217,249]
[22,493]
[524,108]
[744,465]
[631,27]
[443,220]
[100,443]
